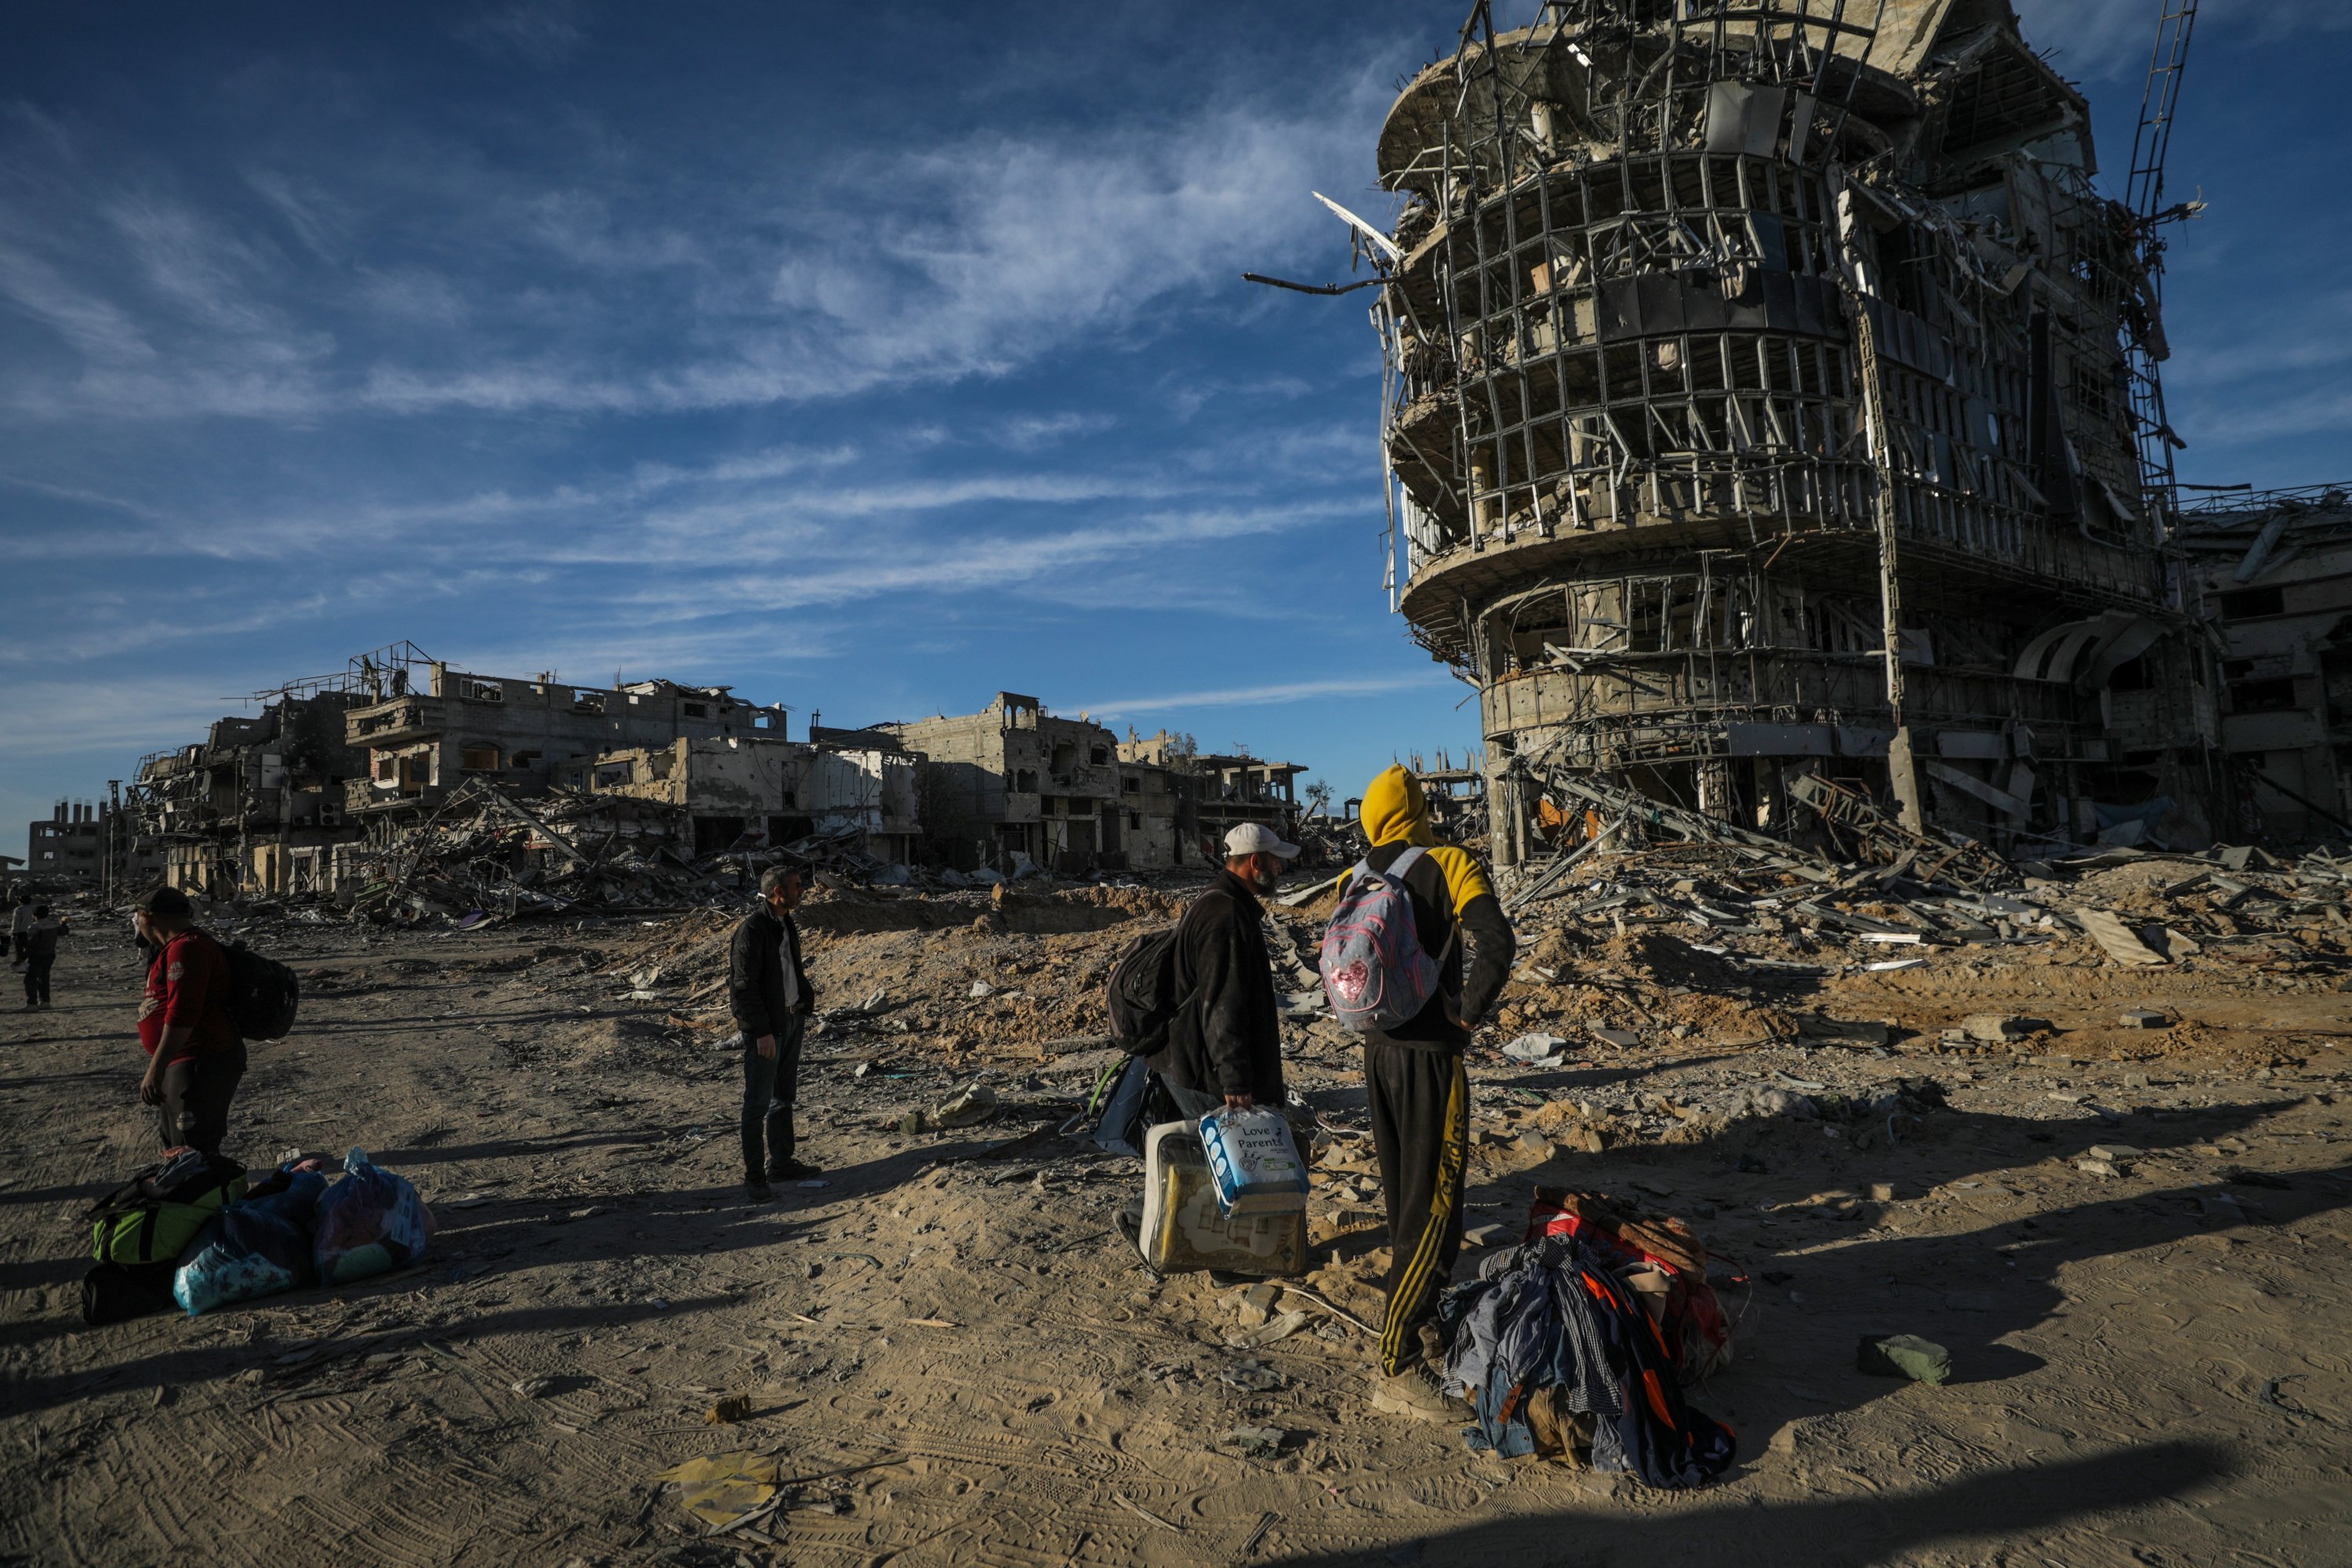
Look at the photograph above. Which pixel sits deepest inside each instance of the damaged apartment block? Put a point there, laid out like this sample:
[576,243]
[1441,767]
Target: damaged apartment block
[255,807]
[424,737]
[1012,786]
[737,791]
[1770,397]
[2274,571]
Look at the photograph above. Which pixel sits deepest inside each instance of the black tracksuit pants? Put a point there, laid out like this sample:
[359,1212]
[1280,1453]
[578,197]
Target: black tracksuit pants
[1420,1103]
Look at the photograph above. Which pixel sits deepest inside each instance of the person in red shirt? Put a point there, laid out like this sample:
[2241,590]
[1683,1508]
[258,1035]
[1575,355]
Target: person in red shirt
[194,1057]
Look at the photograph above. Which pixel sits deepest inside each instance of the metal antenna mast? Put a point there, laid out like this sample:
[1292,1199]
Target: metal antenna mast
[2144,193]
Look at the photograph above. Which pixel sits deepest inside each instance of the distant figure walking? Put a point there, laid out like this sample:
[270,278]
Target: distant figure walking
[195,1055]
[769,995]
[20,929]
[40,954]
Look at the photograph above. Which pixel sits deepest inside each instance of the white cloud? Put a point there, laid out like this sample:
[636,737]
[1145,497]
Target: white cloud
[2092,40]
[1026,433]
[135,714]
[1265,696]
[601,284]
[543,33]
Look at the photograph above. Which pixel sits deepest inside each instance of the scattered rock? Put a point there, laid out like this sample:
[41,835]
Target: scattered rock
[2145,1018]
[1903,1355]
[968,1106]
[1255,1304]
[1535,1047]
[1994,1029]
[1249,1376]
[1781,1103]
[2098,1167]
[1256,1442]
[1267,1332]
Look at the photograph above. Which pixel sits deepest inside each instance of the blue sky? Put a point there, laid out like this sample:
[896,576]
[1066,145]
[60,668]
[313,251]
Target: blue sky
[867,361]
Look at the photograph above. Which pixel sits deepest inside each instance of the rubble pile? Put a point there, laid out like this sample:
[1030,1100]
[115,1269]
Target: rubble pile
[1723,918]
[485,854]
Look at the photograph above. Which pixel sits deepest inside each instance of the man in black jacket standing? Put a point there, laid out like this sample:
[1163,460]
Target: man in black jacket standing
[1227,1048]
[769,995]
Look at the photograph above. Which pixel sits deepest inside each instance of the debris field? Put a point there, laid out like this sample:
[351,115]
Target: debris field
[2113,1190]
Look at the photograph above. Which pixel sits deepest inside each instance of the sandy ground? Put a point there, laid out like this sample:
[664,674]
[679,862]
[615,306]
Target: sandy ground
[956,1361]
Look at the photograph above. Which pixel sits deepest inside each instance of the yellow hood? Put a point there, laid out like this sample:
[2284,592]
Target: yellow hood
[1395,811]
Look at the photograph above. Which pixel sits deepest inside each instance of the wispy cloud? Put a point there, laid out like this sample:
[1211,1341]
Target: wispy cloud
[956,259]
[2092,40]
[1265,696]
[130,715]
[543,33]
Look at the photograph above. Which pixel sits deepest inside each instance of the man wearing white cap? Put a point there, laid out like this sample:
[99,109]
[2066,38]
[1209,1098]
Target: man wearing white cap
[1226,1047]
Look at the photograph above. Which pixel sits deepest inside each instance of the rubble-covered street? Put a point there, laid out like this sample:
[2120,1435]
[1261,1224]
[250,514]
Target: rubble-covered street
[2129,1236]
[744,844]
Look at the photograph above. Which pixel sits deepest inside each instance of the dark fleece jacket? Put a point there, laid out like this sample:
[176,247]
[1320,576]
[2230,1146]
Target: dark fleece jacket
[1228,1039]
[755,977]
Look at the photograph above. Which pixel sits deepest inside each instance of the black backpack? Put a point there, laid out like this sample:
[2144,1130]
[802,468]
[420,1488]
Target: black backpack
[1146,996]
[118,1292]
[262,994]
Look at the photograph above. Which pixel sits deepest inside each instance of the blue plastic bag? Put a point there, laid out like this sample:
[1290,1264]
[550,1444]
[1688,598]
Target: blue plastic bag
[256,1248]
[371,1222]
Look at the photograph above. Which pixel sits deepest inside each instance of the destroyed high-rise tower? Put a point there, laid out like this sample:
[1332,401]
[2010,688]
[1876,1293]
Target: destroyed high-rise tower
[1730,346]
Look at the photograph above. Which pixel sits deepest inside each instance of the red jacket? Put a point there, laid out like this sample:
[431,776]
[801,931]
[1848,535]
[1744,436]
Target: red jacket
[188,983]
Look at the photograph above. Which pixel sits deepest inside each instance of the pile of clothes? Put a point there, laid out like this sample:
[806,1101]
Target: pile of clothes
[1577,1344]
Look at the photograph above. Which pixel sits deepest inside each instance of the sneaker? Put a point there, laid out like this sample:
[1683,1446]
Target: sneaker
[1414,1391]
[757,1190]
[791,1171]
[1128,1222]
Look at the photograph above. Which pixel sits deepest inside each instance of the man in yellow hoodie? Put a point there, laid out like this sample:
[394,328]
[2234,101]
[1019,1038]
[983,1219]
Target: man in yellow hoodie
[1419,1095]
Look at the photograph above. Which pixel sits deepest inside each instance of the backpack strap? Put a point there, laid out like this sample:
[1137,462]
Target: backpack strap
[1403,866]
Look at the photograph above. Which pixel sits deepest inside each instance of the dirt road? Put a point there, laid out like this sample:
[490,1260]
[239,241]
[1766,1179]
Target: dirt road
[956,1361]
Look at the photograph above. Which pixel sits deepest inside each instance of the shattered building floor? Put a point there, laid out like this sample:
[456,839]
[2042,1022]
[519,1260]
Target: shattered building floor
[2132,1240]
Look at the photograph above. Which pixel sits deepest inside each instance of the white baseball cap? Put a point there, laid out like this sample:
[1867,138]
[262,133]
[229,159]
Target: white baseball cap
[1256,838]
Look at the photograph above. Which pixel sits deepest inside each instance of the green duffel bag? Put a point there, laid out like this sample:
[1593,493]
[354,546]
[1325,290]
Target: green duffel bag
[152,1217]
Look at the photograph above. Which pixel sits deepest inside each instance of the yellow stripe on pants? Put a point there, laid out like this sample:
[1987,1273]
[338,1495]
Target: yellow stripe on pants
[1453,1164]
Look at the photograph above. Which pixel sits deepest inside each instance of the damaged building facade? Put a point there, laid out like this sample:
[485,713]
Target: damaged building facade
[404,787]
[1769,397]
[752,791]
[257,807]
[432,728]
[1014,784]
[66,849]
[1209,794]
[2274,572]
[1023,783]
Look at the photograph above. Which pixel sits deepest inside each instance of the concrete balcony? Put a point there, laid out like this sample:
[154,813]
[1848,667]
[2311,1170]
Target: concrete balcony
[396,723]
[364,797]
